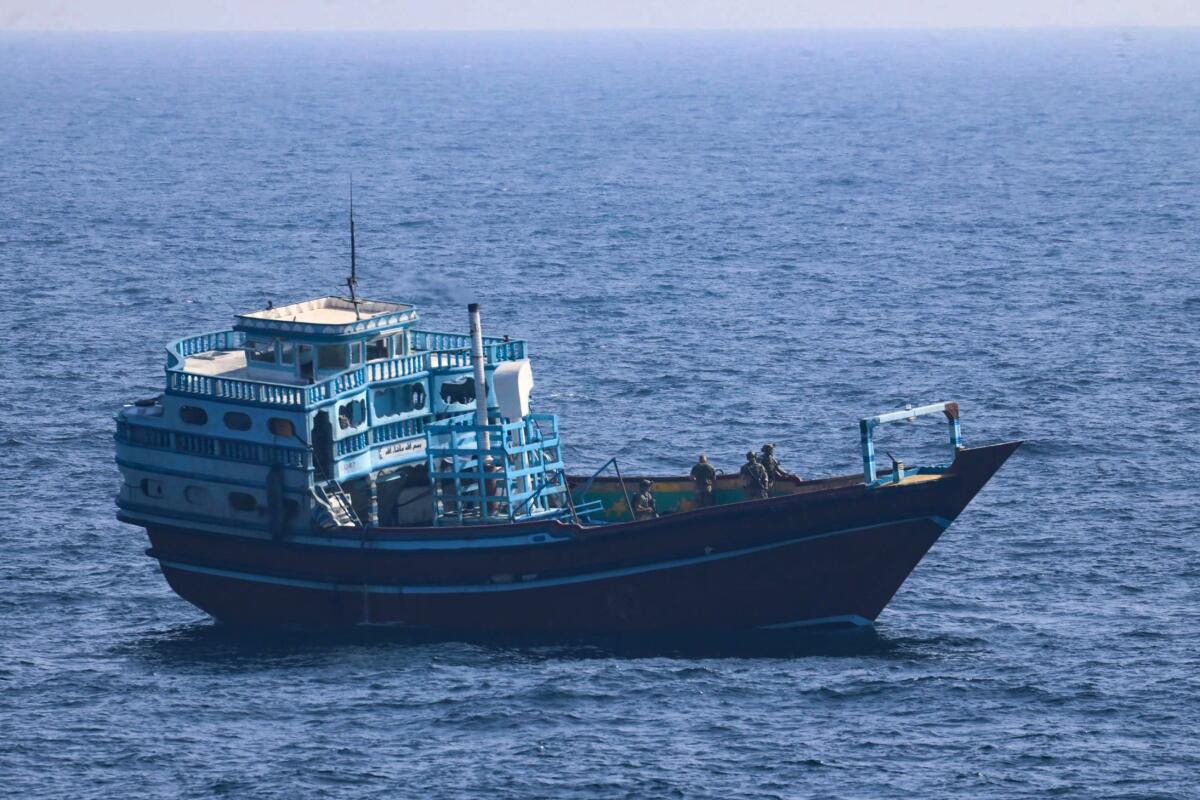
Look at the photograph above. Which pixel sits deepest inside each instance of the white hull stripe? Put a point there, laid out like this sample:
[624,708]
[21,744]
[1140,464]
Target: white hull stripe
[535,583]
[841,619]
[143,517]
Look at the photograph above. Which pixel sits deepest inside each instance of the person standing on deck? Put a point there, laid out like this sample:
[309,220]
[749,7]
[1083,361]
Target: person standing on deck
[643,502]
[705,476]
[773,468]
[754,479]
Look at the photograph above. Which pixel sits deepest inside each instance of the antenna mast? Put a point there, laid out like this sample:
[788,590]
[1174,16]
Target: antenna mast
[352,281]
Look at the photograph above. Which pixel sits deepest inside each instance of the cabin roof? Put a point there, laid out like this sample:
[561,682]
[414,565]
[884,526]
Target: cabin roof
[328,316]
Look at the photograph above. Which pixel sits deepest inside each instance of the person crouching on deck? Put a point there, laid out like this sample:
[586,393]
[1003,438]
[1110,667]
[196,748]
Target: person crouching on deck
[643,502]
[704,475]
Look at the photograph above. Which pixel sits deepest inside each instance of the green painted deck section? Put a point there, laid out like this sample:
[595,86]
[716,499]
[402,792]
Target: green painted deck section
[671,494]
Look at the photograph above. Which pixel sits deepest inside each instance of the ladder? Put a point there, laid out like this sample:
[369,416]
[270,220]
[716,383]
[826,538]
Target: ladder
[333,497]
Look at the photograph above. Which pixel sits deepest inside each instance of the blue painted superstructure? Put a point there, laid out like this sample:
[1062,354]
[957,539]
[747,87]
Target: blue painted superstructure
[315,411]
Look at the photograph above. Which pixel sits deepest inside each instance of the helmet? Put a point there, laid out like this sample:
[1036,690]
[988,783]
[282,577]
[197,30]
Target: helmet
[749,455]
[768,448]
[646,483]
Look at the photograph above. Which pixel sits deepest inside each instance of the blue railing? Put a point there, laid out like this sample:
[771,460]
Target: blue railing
[210,446]
[180,349]
[504,351]
[436,340]
[867,426]
[236,389]
[402,367]
[143,435]
[448,354]
[402,429]
[351,444]
[456,347]
[519,475]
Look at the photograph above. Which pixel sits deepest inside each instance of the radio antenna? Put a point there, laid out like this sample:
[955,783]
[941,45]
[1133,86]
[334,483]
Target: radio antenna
[352,281]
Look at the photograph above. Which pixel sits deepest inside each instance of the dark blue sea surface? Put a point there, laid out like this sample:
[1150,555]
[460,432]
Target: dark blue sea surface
[711,241]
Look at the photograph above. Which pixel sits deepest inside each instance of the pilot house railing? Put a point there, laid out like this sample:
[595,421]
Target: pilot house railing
[432,351]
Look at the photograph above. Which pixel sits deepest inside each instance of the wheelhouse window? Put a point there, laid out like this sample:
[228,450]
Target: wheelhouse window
[237,421]
[287,353]
[332,356]
[193,415]
[305,362]
[261,352]
[281,427]
[356,353]
[377,349]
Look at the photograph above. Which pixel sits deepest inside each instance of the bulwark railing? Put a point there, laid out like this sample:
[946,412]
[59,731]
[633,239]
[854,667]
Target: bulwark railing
[401,367]
[451,347]
[237,389]
[351,444]
[180,349]
[196,444]
[401,429]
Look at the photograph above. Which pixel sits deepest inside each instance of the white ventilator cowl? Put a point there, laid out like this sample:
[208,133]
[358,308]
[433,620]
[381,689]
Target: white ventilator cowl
[512,383]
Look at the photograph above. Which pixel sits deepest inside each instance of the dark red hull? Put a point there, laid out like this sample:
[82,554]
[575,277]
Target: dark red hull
[835,552]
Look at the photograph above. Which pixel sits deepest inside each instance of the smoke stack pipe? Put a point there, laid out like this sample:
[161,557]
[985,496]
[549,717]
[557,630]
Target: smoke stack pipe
[481,415]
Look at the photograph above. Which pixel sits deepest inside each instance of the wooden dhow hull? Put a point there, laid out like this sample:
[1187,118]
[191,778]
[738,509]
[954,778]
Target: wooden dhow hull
[832,552]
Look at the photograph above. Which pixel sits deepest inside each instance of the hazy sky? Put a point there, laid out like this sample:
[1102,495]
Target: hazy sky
[584,14]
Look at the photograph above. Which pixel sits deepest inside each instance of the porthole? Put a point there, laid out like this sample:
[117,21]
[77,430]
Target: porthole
[241,501]
[193,415]
[196,495]
[281,427]
[152,488]
[237,421]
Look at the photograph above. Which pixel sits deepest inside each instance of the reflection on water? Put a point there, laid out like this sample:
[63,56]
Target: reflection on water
[228,645]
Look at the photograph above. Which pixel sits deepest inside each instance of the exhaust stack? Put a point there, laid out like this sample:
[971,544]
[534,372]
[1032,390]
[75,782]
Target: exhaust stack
[481,414]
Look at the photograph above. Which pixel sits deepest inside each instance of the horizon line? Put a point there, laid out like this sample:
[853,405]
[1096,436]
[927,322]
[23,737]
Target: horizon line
[628,29]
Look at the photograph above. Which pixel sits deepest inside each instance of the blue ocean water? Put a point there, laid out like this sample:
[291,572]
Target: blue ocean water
[711,240]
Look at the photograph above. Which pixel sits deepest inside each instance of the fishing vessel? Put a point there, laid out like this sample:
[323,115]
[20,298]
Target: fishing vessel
[331,463]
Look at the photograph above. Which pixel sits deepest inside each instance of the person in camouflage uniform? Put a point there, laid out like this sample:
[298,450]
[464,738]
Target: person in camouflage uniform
[771,465]
[754,479]
[705,476]
[643,502]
